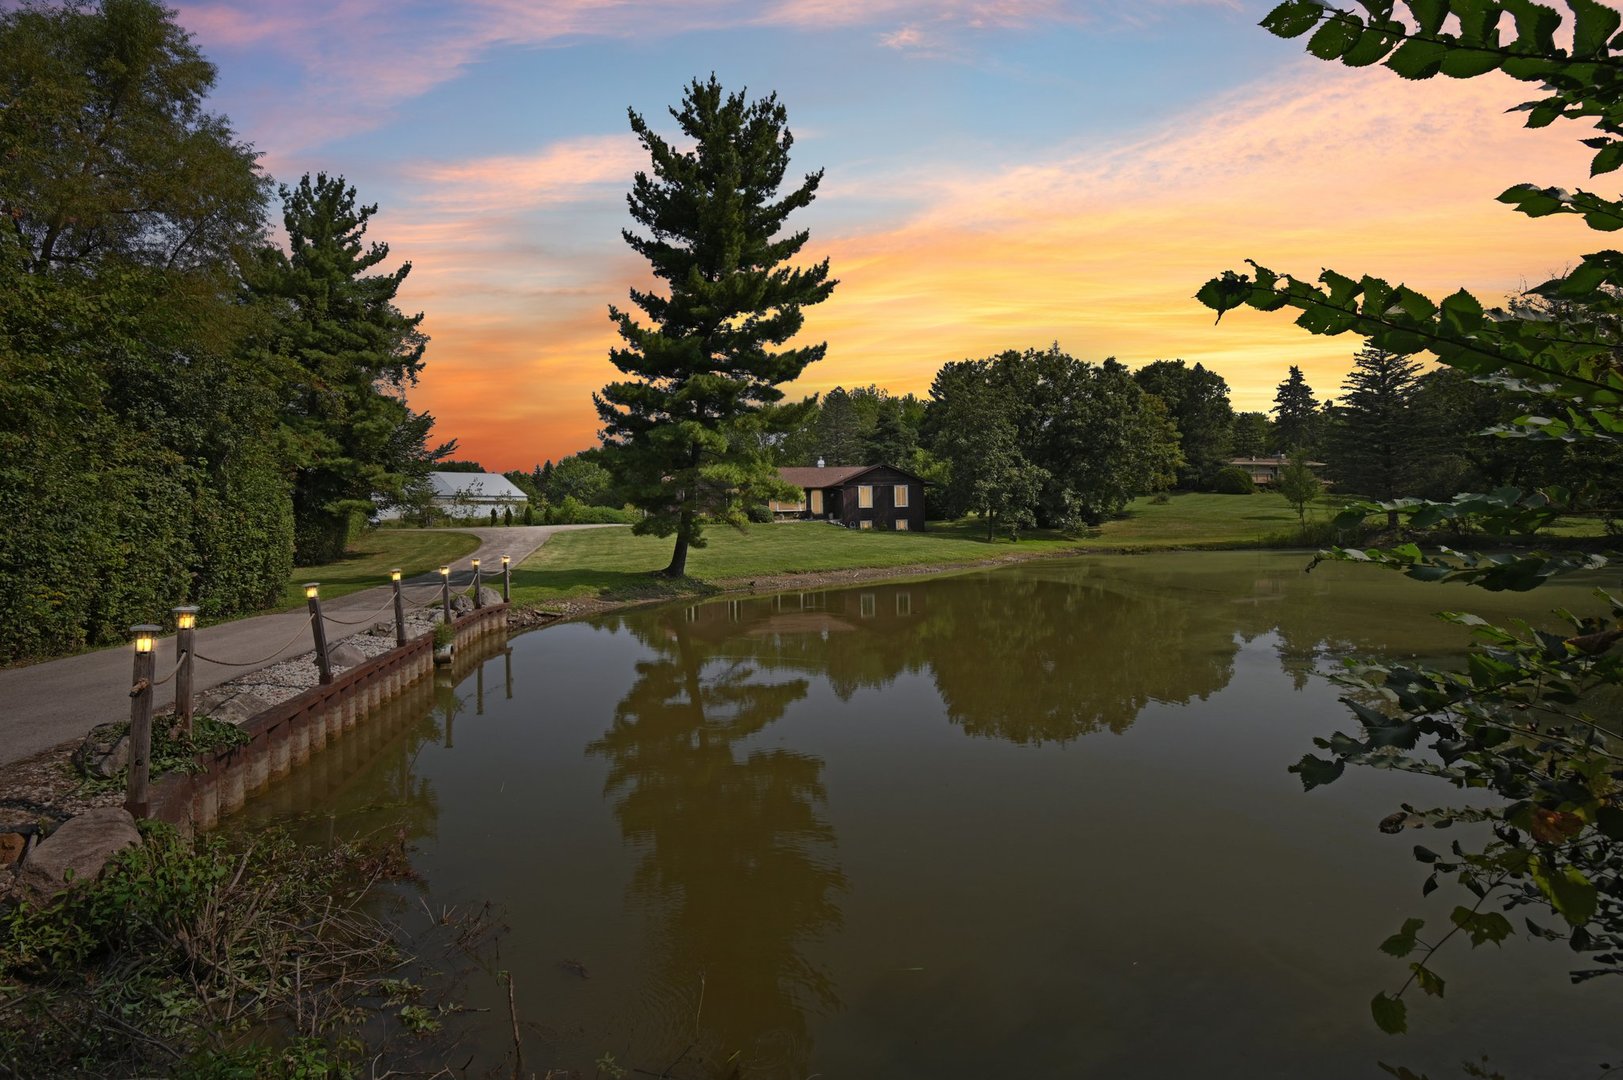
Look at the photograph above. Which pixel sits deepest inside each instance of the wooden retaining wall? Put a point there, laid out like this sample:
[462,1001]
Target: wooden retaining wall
[283,738]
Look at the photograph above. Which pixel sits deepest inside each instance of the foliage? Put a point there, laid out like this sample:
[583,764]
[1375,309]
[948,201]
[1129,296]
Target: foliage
[183,951]
[347,356]
[137,460]
[1083,434]
[173,751]
[1197,401]
[1300,486]
[571,512]
[579,478]
[444,635]
[1233,480]
[1375,445]
[703,369]
[1522,720]
[1297,419]
[1252,434]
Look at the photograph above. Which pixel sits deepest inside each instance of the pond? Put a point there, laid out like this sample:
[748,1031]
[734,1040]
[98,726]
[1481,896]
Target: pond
[1032,822]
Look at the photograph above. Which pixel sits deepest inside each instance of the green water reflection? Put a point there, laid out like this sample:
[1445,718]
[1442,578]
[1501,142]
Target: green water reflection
[1034,822]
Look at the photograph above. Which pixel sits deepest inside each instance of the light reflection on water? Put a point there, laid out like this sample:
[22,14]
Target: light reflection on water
[1034,822]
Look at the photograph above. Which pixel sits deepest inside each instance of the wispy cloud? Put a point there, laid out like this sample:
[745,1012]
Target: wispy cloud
[349,87]
[1099,246]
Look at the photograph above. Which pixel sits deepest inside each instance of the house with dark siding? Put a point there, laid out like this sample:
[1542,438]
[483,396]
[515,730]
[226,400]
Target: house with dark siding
[856,496]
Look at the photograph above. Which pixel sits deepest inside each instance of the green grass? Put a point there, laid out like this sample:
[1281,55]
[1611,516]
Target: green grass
[1198,520]
[614,564]
[373,554]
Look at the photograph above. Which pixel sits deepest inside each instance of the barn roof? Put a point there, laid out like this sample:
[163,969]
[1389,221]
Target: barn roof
[474,485]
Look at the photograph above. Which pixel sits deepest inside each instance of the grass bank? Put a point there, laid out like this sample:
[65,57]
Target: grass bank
[370,558]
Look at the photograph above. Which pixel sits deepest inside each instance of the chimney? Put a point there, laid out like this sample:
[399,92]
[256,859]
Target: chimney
[819,463]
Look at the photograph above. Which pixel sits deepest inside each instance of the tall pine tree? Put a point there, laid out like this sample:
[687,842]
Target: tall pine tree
[1377,448]
[703,368]
[1297,419]
[348,356]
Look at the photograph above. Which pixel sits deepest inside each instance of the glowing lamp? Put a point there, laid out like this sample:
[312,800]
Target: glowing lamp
[445,571]
[146,637]
[185,618]
[312,589]
[475,563]
[394,575]
[505,560]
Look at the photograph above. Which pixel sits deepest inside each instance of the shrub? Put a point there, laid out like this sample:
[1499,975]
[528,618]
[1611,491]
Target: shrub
[529,514]
[493,517]
[507,515]
[759,513]
[1233,481]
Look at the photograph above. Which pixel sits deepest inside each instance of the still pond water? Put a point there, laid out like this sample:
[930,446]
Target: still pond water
[1034,822]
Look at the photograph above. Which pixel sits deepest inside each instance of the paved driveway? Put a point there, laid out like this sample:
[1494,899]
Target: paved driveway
[51,702]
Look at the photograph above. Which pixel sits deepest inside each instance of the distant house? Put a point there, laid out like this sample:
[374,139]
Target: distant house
[1265,470]
[856,496]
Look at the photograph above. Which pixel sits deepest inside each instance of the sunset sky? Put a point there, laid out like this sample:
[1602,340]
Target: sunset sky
[999,174]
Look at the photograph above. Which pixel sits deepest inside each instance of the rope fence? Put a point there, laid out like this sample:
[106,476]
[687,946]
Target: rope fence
[250,663]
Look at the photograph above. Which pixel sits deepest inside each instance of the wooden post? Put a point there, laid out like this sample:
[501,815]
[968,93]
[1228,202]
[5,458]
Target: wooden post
[507,579]
[399,610]
[185,649]
[140,773]
[445,591]
[478,603]
[318,628]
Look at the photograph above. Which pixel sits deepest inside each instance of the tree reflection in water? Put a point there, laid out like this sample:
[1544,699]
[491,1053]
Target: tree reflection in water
[736,859]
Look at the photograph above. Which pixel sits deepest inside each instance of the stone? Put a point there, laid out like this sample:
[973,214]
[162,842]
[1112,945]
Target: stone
[105,751]
[77,850]
[237,709]
[345,655]
[461,605]
[12,846]
[488,597]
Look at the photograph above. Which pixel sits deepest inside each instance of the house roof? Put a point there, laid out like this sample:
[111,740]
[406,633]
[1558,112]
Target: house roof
[831,475]
[474,485]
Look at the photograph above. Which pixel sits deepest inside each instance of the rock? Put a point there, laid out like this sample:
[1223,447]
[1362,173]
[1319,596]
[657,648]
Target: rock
[345,655]
[461,605]
[237,709]
[488,597]
[105,750]
[77,850]
[12,846]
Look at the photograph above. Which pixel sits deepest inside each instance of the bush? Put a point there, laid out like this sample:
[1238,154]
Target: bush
[1233,481]
[759,513]
[573,512]
[529,514]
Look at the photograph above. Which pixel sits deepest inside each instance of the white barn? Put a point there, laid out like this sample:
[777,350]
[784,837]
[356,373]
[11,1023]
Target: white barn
[474,494]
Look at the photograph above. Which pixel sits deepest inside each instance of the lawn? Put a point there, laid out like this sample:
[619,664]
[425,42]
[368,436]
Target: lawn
[1199,520]
[372,555]
[615,564]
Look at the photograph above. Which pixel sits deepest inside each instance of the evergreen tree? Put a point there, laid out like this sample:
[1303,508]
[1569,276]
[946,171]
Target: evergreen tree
[1297,419]
[701,367]
[349,356]
[1377,449]
[893,440]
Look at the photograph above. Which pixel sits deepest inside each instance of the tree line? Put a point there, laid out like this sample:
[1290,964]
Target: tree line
[190,406]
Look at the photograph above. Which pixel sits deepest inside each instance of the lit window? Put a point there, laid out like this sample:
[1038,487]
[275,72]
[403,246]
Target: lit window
[901,524]
[864,524]
[865,496]
[899,495]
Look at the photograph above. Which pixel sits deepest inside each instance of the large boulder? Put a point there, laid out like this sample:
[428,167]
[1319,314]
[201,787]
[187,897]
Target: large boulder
[461,605]
[77,850]
[345,655]
[105,751]
[488,597]
[234,708]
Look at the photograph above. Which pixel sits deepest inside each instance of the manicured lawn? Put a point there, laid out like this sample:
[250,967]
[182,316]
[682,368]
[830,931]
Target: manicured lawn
[1195,520]
[614,563]
[374,554]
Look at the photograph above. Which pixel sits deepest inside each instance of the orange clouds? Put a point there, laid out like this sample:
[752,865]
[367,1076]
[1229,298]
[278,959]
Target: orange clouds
[1100,247]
